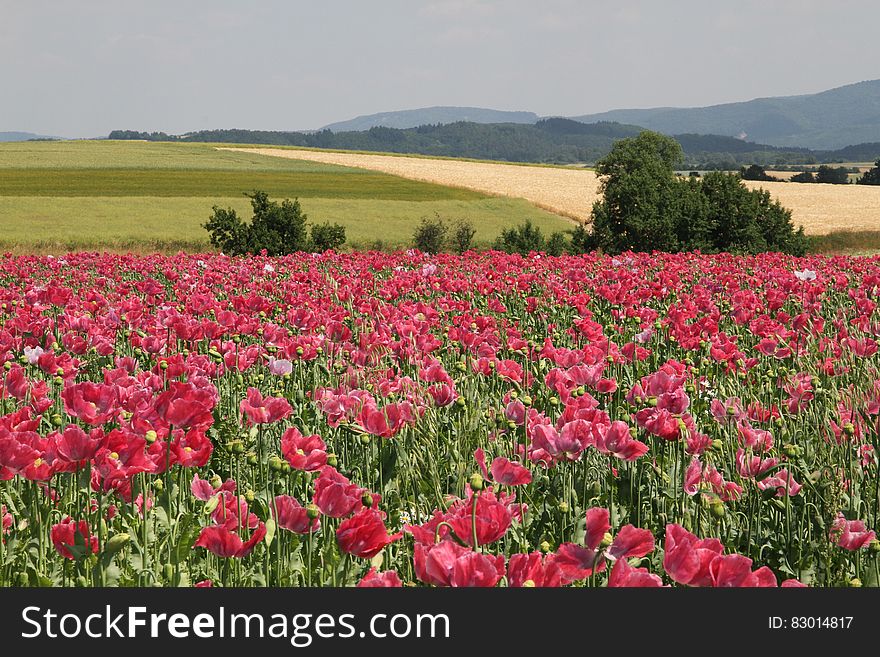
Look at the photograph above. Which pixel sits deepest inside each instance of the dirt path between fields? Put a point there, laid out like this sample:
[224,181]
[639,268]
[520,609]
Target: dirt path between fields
[571,192]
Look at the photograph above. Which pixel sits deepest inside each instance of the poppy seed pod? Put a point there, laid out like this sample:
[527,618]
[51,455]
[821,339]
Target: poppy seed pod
[332,460]
[312,511]
[476,481]
[151,436]
[117,542]
[545,547]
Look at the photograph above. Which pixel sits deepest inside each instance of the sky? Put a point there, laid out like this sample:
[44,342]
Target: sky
[84,68]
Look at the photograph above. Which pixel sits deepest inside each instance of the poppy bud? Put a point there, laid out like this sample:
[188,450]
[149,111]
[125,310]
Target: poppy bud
[514,394]
[553,401]
[527,400]
[367,499]
[332,460]
[595,489]
[855,582]
[849,429]
[211,504]
[117,542]
[607,539]
[312,511]
[237,447]
[874,546]
[581,391]
[460,402]
[717,444]
[286,468]
[151,436]
[778,422]
[790,450]
[563,507]
[163,365]
[545,547]
[159,485]
[56,420]
[251,459]
[476,482]
[717,509]
[275,463]
[365,439]
[81,582]
[528,584]
[7,365]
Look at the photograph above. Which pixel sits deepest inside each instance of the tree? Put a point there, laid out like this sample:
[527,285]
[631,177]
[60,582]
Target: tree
[646,207]
[276,229]
[803,177]
[639,188]
[832,175]
[871,176]
[755,172]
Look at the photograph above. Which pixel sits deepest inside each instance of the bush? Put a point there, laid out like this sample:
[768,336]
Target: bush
[430,236]
[803,177]
[832,175]
[276,229]
[646,207]
[522,239]
[327,237]
[557,244]
[755,172]
[463,236]
[871,176]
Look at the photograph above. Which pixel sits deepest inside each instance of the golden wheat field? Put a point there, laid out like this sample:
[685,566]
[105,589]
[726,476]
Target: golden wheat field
[571,192]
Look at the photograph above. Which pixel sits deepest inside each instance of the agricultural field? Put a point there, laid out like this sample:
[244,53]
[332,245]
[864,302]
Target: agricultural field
[820,209]
[485,420]
[59,196]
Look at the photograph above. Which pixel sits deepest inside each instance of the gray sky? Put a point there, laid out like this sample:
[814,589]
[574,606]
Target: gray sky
[85,67]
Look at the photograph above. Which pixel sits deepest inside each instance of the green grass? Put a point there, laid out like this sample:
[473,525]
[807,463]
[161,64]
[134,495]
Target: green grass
[846,241]
[119,223]
[149,196]
[340,183]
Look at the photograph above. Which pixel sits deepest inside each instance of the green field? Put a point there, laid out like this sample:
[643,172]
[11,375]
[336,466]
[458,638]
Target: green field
[145,196]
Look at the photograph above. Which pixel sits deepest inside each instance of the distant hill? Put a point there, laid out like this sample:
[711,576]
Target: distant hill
[22,136]
[553,140]
[828,120]
[430,115]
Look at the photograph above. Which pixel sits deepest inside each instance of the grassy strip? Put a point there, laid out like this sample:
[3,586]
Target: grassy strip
[347,183]
[96,222]
[846,241]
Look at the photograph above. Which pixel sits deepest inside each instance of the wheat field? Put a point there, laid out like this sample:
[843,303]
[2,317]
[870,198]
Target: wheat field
[820,209]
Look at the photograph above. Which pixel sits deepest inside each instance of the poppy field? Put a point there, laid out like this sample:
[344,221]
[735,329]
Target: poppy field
[410,420]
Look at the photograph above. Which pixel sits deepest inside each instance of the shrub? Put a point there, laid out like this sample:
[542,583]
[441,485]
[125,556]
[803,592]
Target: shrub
[327,237]
[871,176]
[522,239]
[557,244]
[276,229]
[755,172]
[803,177]
[463,236]
[832,175]
[430,236]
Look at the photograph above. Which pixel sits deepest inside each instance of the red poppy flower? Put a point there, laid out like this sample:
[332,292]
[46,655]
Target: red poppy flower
[93,403]
[374,579]
[449,564]
[264,410]
[184,405]
[227,543]
[624,575]
[64,537]
[75,445]
[851,534]
[303,452]
[335,495]
[364,534]
[292,516]
[533,570]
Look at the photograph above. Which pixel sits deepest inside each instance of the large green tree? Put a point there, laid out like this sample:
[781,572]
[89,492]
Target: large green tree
[871,176]
[647,207]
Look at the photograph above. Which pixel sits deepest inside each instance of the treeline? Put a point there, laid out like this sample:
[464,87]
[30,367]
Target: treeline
[553,140]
